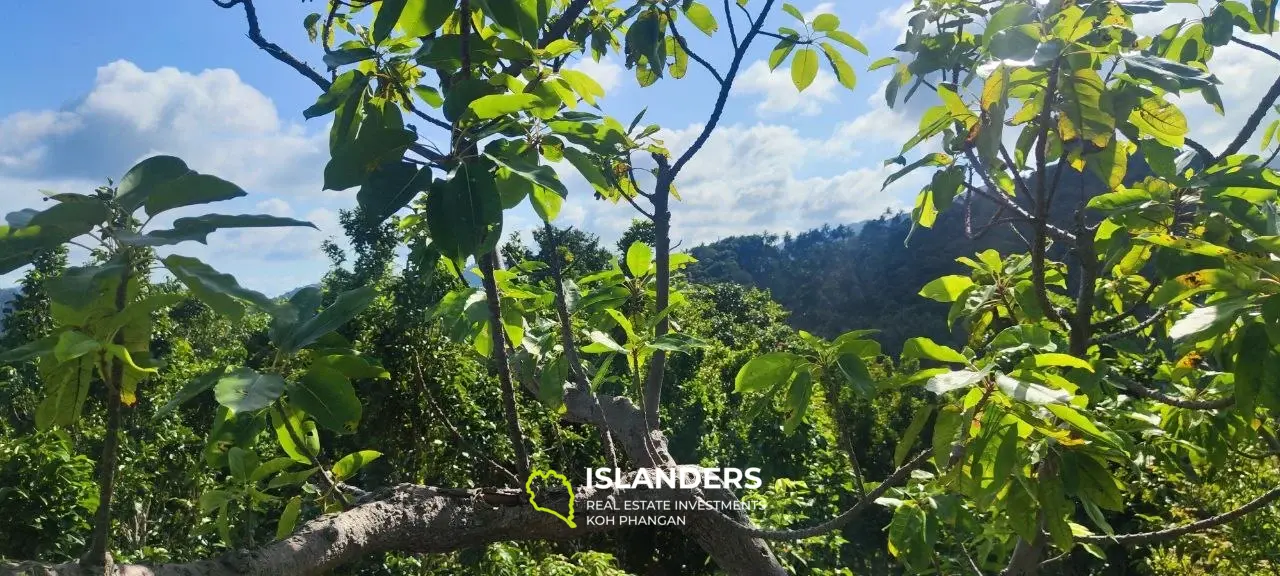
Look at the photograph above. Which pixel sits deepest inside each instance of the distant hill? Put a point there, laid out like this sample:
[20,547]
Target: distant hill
[866,275]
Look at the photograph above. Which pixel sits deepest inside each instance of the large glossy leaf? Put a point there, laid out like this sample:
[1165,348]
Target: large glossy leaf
[804,68]
[245,390]
[220,291]
[66,388]
[765,372]
[192,390]
[927,349]
[199,228]
[353,462]
[380,139]
[163,183]
[392,187]
[639,255]
[288,424]
[464,212]
[327,395]
[1030,392]
[389,12]
[1167,74]
[422,17]
[344,308]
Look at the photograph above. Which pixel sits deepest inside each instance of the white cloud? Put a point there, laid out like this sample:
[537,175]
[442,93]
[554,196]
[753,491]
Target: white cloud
[213,120]
[823,8]
[746,180]
[607,72]
[779,94]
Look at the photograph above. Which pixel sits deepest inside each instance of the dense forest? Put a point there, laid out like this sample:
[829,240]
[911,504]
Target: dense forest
[1064,360]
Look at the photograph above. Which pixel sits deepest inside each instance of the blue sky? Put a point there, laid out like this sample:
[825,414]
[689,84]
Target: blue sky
[92,87]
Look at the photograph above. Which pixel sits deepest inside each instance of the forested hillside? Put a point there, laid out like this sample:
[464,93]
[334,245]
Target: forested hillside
[869,274]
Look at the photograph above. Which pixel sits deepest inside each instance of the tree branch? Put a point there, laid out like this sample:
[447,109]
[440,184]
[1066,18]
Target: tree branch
[1137,389]
[1130,331]
[255,34]
[1251,125]
[684,45]
[1198,526]
[498,334]
[723,96]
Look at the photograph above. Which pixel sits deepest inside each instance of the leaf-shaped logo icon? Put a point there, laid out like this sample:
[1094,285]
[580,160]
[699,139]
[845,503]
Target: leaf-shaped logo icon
[553,476]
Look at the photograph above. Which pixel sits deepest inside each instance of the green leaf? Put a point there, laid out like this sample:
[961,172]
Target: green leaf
[804,68]
[73,344]
[1010,15]
[825,23]
[245,390]
[29,350]
[546,203]
[495,105]
[241,462]
[1057,360]
[639,255]
[843,71]
[422,17]
[956,380]
[220,291]
[347,84]
[1201,320]
[855,372]
[304,429]
[780,53]
[464,212]
[146,177]
[520,18]
[392,187]
[389,12]
[293,478]
[344,56]
[927,349]
[189,190]
[348,305]
[701,17]
[1016,43]
[601,343]
[524,163]
[946,288]
[676,342]
[848,40]
[352,463]
[1162,120]
[289,518]
[213,499]
[792,10]
[1030,392]
[199,228]
[765,372]
[67,385]
[1167,74]
[271,467]
[946,432]
[908,541]
[327,395]
[912,432]
[798,398]
[1250,368]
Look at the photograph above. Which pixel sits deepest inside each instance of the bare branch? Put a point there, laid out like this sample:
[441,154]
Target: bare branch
[1198,526]
[457,436]
[1130,331]
[488,263]
[1251,125]
[1137,389]
[255,34]
[684,45]
[1258,47]
[723,97]
[992,192]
